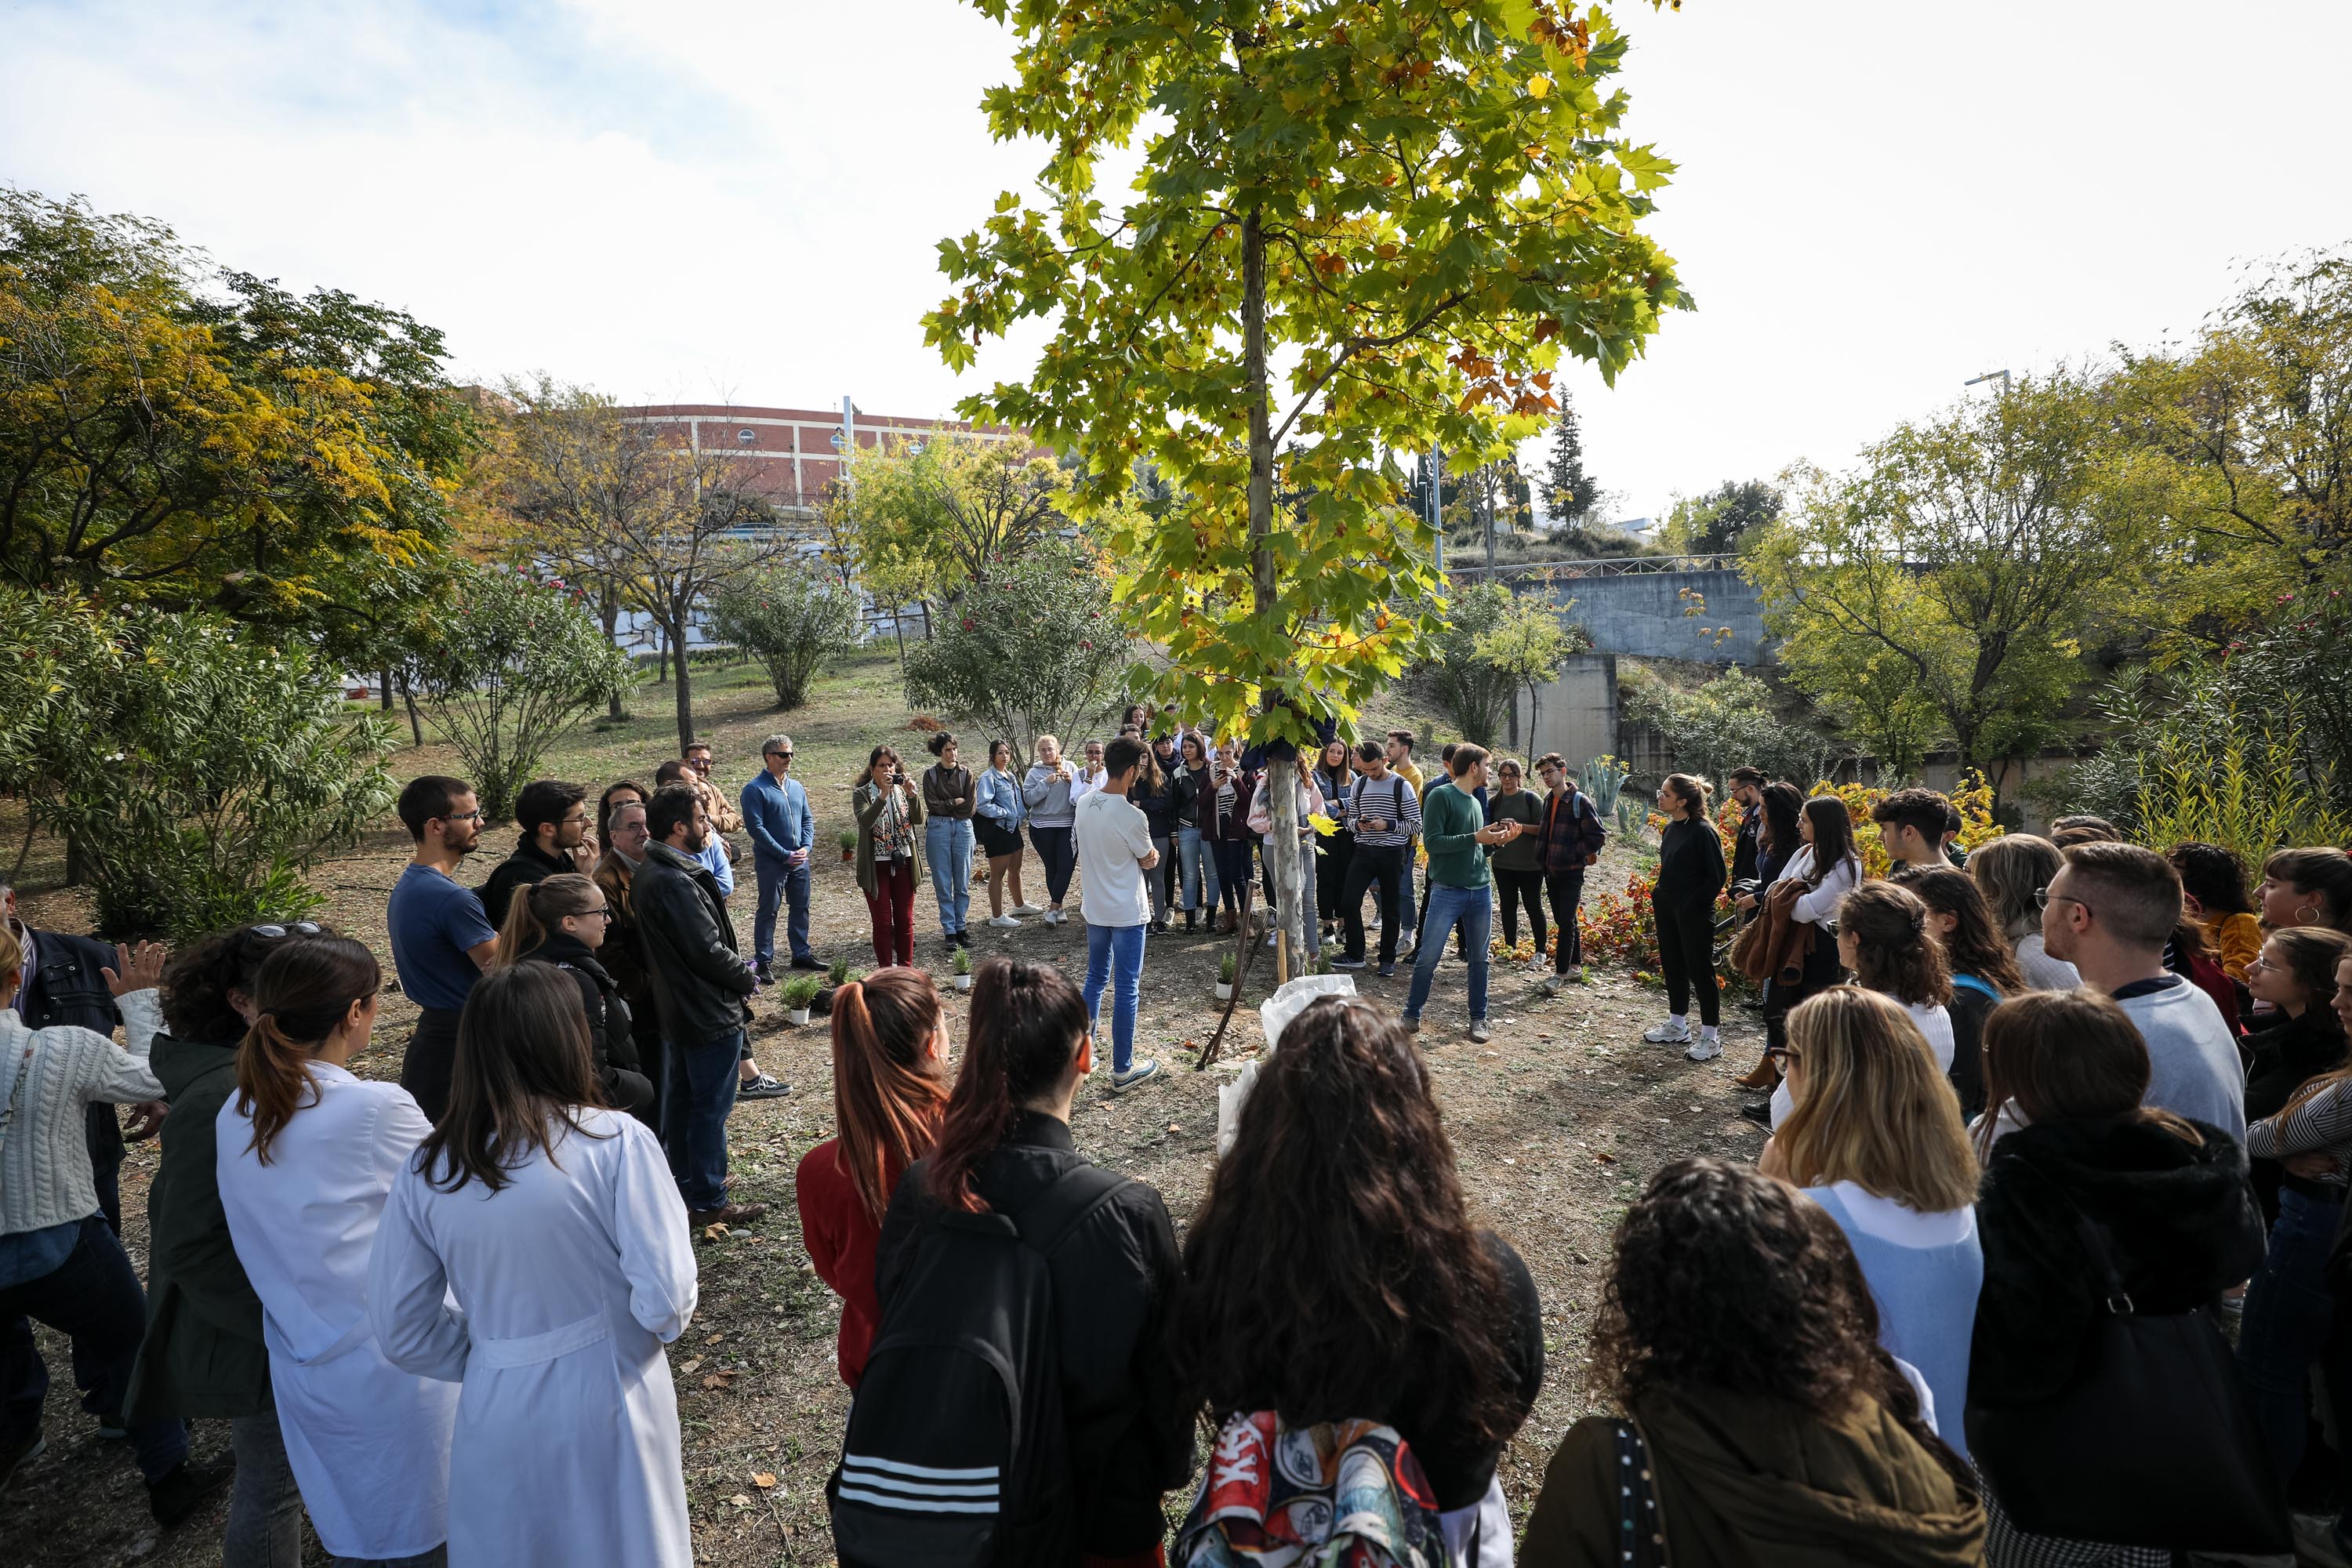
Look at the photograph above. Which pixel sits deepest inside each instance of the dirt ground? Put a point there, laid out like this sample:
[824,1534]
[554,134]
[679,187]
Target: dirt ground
[1556,1124]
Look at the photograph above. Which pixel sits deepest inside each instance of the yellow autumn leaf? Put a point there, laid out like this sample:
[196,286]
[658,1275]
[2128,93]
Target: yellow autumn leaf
[1539,86]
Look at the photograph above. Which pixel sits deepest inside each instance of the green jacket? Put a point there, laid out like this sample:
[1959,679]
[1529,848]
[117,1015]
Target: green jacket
[1450,821]
[203,1354]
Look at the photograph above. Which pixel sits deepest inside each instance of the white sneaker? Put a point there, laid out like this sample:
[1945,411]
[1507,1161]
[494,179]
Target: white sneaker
[1478,1031]
[1551,985]
[1672,1032]
[1704,1049]
[1027,910]
[1001,922]
[1054,917]
[1140,1069]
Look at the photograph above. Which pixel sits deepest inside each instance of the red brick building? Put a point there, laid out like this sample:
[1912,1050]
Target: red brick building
[793,454]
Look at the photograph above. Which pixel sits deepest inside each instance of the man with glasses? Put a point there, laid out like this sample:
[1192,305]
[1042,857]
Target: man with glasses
[553,818]
[776,815]
[441,939]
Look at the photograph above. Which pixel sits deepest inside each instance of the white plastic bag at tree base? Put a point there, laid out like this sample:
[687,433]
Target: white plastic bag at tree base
[1275,1014]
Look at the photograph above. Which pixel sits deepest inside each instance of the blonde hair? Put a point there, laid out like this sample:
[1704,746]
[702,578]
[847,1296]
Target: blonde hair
[2008,871]
[1875,1111]
[12,956]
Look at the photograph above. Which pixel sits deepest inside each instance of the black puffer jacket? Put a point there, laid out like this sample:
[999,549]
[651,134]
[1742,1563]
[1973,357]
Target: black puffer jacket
[699,982]
[2178,1218]
[609,1022]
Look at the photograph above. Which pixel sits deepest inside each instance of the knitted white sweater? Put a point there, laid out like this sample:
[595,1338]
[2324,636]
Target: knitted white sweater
[45,1156]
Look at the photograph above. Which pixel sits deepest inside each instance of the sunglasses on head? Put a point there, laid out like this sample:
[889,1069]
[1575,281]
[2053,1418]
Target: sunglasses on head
[299,927]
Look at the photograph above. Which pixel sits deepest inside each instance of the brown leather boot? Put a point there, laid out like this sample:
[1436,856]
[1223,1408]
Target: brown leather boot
[1229,921]
[1765,1074]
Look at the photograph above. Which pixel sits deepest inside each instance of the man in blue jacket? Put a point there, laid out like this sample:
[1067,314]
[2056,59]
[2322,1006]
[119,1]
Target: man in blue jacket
[776,815]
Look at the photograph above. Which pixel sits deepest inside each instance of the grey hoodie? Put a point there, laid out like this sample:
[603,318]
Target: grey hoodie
[1049,797]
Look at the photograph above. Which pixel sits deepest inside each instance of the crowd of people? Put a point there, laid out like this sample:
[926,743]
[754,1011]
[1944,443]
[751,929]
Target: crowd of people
[2039,1266]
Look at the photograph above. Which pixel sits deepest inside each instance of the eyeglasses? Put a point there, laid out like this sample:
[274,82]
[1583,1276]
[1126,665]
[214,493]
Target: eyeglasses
[605,913]
[2041,897]
[299,927]
[786,755]
[473,815]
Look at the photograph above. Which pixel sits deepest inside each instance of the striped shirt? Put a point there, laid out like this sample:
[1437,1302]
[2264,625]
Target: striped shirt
[1391,801]
[2322,1124]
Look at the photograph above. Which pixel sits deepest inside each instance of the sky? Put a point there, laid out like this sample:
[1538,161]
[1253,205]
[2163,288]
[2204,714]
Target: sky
[703,201]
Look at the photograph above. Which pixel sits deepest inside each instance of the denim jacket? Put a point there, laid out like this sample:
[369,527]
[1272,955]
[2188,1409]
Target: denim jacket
[998,798]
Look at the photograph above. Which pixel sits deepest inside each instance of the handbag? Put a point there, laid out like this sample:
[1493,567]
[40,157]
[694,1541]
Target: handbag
[2152,1443]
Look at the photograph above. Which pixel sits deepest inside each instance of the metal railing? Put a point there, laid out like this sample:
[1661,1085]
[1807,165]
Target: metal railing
[1603,566]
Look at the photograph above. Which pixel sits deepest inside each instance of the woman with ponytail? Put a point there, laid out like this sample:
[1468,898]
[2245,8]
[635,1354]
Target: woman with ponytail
[554,1223]
[563,919]
[1004,1145]
[306,1154]
[889,1086]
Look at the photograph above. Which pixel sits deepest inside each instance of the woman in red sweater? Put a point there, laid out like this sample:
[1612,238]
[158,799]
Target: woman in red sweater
[889,1050]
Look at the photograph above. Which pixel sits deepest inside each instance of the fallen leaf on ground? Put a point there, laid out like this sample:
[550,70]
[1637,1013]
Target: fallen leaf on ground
[714,1231]
[1604,1156]
[714,1339]
[739,1500]
[762,1479]
[718,1379]
[690,1367]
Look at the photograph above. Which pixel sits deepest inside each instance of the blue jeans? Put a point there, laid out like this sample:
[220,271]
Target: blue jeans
[702,1080]
[94,1297]
[1474,909]
[1119,948]
[781,883]
[947,849]
[2289,1313]
[1404,890]
[1197,889]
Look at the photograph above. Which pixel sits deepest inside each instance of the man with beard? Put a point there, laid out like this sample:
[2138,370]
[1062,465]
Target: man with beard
[701,985]
[441,939]
[553,817]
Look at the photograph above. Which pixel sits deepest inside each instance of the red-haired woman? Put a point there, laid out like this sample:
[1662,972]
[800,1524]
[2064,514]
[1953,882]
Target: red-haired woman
[889,1086]
[1004,1145]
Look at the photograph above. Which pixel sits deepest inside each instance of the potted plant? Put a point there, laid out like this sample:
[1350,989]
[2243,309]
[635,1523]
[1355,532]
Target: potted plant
[839,973]
[962,969]
[798,992]
[848,842]
[1225,977]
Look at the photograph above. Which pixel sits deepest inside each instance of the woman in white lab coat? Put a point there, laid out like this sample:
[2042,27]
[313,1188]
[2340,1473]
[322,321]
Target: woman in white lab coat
[556,1224]
[306,1152]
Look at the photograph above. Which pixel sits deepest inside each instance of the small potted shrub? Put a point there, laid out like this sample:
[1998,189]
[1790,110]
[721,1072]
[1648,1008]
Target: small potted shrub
[839,973]
[962,969]
[848,842]
[799,993]
[1225,976]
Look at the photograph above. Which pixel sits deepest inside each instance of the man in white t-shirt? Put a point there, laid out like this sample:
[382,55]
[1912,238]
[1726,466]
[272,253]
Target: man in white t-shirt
[2109,911]
[1115,847]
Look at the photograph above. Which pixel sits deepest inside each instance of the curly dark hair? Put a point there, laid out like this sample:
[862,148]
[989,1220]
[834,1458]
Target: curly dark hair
[1723,1279]
[196,984]
[1333,1247]
[2213,875]
[1893,952]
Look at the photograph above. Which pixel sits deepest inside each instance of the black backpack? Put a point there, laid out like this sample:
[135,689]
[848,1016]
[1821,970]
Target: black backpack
[957,1451]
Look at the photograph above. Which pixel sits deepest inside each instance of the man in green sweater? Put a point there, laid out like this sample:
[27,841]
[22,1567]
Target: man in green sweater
[1454,828]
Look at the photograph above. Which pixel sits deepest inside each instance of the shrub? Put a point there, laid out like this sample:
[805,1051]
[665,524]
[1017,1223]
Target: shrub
[198,775]
[509,665]
[1034,649]
[792,624]
[1471,694]
[800,991]
[1730,721]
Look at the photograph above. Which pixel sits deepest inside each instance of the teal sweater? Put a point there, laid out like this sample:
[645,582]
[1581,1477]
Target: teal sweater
[1450,821]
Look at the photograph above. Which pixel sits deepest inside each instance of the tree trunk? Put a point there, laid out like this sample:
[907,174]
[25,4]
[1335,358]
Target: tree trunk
[1282,848]
[684,692]
[387,689]
[610,612]
[416,723]
[1482,497]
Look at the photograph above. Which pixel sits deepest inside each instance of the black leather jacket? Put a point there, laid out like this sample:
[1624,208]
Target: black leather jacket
[701,985]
